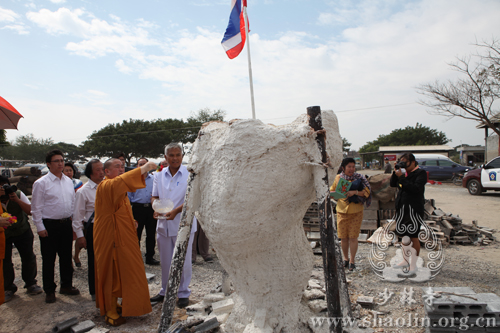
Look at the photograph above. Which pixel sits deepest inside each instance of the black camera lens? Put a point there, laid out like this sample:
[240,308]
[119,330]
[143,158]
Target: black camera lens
[9,188]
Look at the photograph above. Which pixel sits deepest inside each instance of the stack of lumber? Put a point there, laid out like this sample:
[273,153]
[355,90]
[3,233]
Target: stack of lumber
[451,229]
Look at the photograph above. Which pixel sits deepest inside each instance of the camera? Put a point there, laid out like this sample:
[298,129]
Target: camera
[9,188]
[400,165]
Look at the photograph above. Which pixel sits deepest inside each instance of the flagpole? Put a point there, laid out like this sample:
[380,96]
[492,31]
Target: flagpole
[249,60]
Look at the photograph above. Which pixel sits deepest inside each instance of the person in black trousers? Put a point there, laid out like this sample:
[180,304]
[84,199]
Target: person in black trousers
[83,216]
[51,207]
[19,235]
[410,180]
[143,214]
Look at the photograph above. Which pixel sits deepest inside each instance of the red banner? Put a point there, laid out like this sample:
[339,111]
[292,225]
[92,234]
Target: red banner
[390,157]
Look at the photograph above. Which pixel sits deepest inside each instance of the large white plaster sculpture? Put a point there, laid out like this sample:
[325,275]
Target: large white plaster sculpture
[253,185]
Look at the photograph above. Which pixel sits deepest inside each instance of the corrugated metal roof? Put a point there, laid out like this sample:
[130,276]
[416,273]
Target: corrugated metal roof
[471,148]
[414,148]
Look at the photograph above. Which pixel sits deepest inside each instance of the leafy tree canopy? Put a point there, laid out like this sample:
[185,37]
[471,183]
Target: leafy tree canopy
[71,152]
[346,145]
[143,138]
[27,147]
[408,136]
[3,138]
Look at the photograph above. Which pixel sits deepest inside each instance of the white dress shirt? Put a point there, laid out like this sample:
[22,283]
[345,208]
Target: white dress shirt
[52,198]
[84,206]
[173,188]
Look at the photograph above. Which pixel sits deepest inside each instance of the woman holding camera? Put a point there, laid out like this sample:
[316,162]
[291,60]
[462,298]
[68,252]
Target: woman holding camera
[350,209]
[410,180]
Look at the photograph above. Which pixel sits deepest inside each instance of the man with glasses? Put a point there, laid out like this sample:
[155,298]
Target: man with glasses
[52,206]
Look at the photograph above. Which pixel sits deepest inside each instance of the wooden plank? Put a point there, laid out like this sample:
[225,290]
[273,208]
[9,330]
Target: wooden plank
[391,205]
[428,208]
[430,223]
[460,238]
[370,214]
[178,259]
[363,238]
[369,225]
[335,280]
[438,212]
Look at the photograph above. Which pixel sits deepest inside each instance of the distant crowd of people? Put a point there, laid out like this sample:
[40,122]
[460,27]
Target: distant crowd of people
[106,216]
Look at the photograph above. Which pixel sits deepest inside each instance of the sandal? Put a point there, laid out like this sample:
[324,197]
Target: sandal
[346,263]
[115,322]
[352,267]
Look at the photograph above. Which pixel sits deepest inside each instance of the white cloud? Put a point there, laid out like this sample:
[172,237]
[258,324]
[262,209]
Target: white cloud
[120,64]
[94,97]
[19,28]
[98,36]
[97,93]
[35,113]
[13,21]
[7,15]
[377,59]
[58,1]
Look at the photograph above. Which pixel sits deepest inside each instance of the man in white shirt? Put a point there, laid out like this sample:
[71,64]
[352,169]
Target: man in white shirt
[171,183]
[83,216]
[51,207]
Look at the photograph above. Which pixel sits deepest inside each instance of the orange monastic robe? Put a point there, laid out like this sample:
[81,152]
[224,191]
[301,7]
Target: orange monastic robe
[2,256]
[119,269]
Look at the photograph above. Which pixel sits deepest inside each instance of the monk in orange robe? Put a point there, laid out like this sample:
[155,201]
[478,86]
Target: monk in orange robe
[119,269]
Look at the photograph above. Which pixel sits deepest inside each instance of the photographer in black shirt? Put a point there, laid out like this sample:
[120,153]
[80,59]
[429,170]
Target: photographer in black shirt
[410,180]
[19,234]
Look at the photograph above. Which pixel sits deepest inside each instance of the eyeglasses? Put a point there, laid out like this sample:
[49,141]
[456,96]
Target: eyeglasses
[57,161]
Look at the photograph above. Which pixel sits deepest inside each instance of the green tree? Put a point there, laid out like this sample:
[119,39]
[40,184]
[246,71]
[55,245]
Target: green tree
[143,138]
[71,152]
[3,138]
[408,136]
[346,145]
[27,147]
[200,117]
[135,138]
[475,94]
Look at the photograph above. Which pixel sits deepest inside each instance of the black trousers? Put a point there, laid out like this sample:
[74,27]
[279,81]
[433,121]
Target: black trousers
[58,242]
[24,245]
[144,217]
[89,237]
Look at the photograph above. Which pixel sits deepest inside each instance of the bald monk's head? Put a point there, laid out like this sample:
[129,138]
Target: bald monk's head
[113,168]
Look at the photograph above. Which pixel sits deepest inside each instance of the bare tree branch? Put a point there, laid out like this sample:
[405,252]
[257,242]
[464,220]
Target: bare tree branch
[475,94]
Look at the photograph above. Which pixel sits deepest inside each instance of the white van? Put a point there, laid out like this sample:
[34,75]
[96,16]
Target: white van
[431,157]
[439,166]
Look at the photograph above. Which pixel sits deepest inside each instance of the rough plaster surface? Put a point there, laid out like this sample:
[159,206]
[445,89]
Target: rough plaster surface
[254,183]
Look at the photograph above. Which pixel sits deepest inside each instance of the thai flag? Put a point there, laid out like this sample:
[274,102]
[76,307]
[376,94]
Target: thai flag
[235,36]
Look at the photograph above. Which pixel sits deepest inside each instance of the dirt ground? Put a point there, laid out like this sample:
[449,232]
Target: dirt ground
[477,267]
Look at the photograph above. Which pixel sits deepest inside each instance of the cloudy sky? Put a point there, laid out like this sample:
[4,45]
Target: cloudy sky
[73,66]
